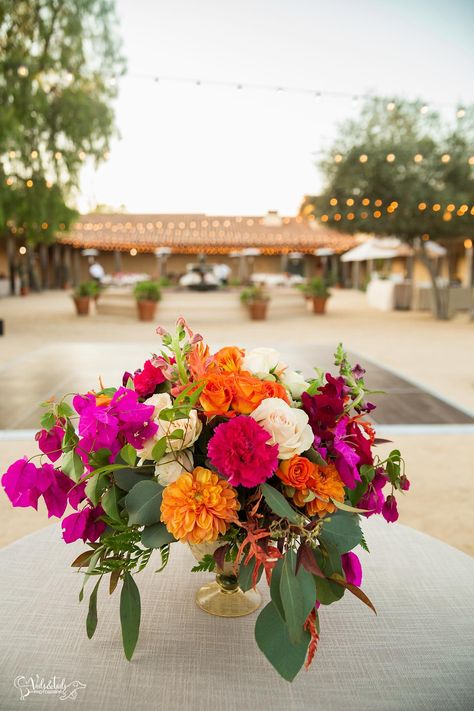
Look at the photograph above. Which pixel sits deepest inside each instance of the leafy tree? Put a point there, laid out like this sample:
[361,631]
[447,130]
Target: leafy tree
[405,172]
[59,60]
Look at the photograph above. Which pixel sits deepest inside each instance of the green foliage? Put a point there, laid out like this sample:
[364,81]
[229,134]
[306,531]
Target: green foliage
[130,613]
[72,465]
[297,595]
[254,293]
[342,531]
[129,454]
[206,565]
[48,420]
[156,536]
[87,288]
[271,634]
[405,132]
[279,505]
[317,286]
[147,291]
[143,503]
[91,620]
[57,62]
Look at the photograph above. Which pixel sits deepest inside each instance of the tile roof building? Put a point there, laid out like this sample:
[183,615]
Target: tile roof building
[204,234]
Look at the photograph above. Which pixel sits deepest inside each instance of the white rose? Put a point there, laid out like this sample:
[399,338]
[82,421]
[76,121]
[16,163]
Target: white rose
[191,427]
[295,383]
[288,427]
[171,466]
[263,360]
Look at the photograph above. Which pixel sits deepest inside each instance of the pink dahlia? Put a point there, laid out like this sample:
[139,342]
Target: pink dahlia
[239,451]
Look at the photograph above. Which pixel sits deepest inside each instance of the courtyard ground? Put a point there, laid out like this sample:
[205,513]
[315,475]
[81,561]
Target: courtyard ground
[47,349]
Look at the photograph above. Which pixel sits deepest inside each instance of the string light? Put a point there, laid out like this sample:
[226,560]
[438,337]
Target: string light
[22,250]
[450,207]
[29,183]
[460,113]
[349,202]
[390,158]
[350,215]
[133,252]
[12,154]
[366,201]
[470,160]
[436,207]
[447,216]
[445,158]
[418,158]
[422,206]
[44,226]
[324,218]
[58,155]
[337,158]
[391,106]
[363,158]
[9,181]
[377,214]
[337,216]
[81,155]
[424,109]
[49,184]
[425,237]
[34,154]
[364,215]
[333,201]
[468,243]
[378,203]
[22,71]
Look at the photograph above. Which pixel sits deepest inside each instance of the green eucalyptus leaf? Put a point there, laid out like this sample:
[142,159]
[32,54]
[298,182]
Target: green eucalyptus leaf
[298,596]
[341,530]
[95,487]
[126,478]
[143,503]
[271,635]
[110,503]
[279,505]
[130,613]
[156,536]
[91,621]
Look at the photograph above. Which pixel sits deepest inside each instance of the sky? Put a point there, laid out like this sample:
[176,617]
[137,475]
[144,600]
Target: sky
[186,148]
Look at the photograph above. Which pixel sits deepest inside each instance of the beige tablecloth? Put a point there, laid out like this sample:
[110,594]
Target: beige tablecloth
[416,655]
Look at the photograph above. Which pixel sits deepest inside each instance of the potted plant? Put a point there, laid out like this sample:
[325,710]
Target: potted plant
[147,294]
[256,299]
[82,296]
[317,289]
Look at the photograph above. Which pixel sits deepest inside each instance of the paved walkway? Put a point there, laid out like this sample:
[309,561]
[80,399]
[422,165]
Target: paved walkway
[421,363]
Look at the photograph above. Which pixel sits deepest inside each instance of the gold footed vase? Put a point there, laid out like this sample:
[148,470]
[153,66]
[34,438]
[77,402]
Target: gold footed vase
[223,597]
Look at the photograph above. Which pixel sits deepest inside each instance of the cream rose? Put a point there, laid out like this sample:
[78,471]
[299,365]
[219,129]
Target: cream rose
[191,427]
[287,426]
[172,465]
[262,361]
[294,382]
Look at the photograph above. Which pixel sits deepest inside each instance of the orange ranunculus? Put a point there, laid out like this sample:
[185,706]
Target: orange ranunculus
[216,397]
[229,359]
[248,393]
[198,507]
[273,389]
[296,472]
[326,484]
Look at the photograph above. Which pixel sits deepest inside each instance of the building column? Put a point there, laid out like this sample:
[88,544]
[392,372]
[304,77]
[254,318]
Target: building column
[75,268]
[56,266]
[117,260]
[10,250]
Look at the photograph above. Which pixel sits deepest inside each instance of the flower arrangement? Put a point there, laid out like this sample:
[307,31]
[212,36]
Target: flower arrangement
[260,471]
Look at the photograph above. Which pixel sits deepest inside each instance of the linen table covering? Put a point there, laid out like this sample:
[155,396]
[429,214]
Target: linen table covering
[416,655]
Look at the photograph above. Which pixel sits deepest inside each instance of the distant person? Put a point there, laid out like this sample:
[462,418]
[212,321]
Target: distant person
[97,272]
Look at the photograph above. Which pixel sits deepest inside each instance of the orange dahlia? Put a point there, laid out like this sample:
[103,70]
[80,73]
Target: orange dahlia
[198,507]
[326,483]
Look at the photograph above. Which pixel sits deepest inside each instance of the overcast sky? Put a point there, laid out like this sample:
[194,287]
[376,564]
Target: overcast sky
[187,148]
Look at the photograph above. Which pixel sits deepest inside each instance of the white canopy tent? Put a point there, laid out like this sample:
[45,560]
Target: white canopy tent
[388,248]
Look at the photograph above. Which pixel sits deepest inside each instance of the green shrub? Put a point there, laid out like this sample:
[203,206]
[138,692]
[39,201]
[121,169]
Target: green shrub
[317,286]
[87,288]
[254,293]
[147,291]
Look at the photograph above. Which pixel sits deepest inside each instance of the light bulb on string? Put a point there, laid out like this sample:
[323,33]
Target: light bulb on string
[470,160]
[22,71]
[460,113]
[390,158]
[337,158]
[391,106]
[418,158]
[445,158]
[424,109]
[363,158]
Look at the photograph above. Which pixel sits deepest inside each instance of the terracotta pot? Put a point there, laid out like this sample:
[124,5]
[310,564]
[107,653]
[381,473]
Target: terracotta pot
[146,310]
[82,304]
[24,291]
[319,304]
[258,310]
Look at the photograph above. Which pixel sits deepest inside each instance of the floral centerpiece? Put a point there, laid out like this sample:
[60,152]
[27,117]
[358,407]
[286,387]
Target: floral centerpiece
[260,471]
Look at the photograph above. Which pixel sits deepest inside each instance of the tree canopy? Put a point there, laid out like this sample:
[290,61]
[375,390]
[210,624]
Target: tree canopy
[399,169]
[59,60]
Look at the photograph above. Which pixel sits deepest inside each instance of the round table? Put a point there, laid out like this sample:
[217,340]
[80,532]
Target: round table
[416,654]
